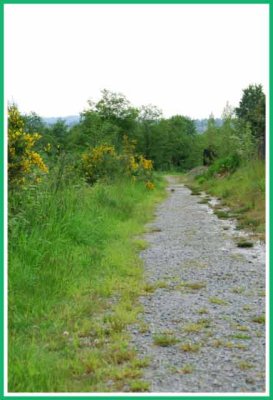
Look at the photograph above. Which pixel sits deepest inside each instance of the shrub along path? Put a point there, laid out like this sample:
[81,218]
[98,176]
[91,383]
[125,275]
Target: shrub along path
[204,309]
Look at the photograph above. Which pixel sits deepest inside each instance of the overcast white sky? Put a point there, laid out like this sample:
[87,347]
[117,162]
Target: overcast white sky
[186,59]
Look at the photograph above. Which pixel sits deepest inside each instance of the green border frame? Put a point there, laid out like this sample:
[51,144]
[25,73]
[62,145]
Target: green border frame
[2,233]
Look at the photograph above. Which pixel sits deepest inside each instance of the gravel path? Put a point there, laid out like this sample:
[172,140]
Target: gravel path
[202,325]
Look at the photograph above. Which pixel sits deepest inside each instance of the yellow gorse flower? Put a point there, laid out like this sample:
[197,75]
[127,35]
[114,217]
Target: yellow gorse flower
[95,161]
[102,162]
[133,164]
[22,160]
[146,164]
[149,185]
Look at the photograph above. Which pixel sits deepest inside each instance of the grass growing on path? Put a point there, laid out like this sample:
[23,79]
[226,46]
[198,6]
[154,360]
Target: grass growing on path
[243,191]
[74,280]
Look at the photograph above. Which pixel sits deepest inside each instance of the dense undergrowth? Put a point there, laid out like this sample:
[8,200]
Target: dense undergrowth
[74,279]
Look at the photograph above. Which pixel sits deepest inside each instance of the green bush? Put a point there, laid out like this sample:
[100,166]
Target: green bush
[224,165]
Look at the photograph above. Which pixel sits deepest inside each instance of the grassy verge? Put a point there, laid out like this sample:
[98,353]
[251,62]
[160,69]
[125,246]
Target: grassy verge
[74,280]
[243,192]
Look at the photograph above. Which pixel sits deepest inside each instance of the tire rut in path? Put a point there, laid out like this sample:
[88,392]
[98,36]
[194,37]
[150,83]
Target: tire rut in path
[206,293]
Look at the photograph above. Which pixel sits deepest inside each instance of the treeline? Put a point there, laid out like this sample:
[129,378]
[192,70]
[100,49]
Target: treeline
[171,143]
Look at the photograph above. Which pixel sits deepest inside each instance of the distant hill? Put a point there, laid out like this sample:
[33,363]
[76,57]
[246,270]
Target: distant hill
[202,124]
[70,120]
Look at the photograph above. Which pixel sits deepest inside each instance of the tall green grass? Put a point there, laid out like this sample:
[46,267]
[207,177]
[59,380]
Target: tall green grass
[74,277]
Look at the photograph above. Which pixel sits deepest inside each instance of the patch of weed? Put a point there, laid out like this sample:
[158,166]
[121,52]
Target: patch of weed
[149,288]
[203,201]
[237,290]
[143,327]
[217,343]
[139,386]
[242,328]
[194,263]
[244,244]
[140,362]
[190,347]
[216,300]
[152,287]
[240,346]
[194,285]
[202,311]
[127,373]
[161,284]
[154,230]
[141,244]
[244,365]
[246,307]
[186,369]
[259,319]
[195,192]
[228,345]
[165,340]
[119,354]
[197,326]
[241,336]
[221,214]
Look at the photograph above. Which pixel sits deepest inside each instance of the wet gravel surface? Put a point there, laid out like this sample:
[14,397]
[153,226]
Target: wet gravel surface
[202,326]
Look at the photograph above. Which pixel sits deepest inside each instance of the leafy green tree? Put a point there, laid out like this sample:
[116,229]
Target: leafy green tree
[148,118]
[251,111]
[33,123]
[93,131]
[59,131]
[168,142]
[228,142]
[115,109]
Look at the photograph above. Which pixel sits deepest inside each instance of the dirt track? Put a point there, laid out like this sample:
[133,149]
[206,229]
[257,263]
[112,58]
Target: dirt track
[204,294]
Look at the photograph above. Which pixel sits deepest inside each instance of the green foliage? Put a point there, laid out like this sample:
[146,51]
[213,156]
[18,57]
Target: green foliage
[33,123]
[251,111]
[114,109]
[169,143]
[223,166]
[59,132]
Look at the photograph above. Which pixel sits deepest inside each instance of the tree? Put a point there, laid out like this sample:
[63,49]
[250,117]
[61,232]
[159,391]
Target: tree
[115,109]
[149,116]
[33,123]
[59,132]
[168,142]
[229,142]
[251,111]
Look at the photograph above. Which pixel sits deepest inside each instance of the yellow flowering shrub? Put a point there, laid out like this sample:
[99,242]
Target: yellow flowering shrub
[136,166]
[100,162]
[149,185]
[103,162]
[24,164]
